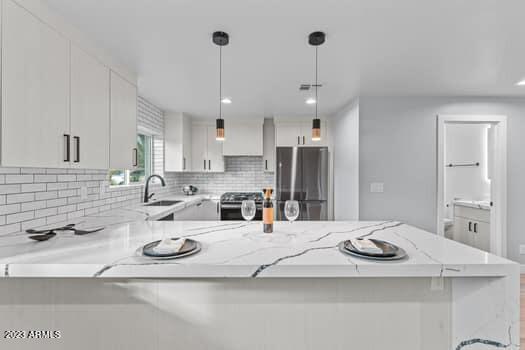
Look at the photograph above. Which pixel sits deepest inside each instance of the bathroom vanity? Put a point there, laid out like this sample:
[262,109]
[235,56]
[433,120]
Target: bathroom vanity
[472,223]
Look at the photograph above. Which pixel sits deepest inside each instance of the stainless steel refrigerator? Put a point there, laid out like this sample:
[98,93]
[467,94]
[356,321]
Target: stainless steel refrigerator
[302,175]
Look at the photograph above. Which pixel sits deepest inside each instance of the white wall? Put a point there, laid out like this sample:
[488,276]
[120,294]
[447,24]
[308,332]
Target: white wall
[345,126]
[466,143]
[398,147]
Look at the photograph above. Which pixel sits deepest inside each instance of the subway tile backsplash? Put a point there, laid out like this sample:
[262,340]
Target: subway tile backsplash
[240,174]
[31,197]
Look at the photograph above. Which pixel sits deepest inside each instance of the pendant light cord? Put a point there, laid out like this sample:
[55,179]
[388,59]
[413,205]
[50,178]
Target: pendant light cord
[316,84]
[220,82]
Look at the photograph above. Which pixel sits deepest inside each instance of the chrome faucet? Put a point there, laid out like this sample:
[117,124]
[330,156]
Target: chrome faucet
[148,196]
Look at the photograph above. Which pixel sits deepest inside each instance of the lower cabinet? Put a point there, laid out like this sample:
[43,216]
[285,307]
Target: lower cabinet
[207,210]
[471,230]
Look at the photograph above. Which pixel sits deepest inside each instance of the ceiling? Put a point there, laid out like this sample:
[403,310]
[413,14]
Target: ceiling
[373,47]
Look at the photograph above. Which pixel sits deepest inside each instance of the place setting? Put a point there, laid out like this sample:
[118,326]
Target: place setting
[372,249]
[170,248]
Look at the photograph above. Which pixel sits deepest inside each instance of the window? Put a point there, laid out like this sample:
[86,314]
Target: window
[119,177]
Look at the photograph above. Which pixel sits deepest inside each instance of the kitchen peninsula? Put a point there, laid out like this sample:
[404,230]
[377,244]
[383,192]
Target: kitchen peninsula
[246,290]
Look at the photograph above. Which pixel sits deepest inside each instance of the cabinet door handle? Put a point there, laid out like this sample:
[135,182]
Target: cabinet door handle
[184,163]
[135,157]
[304,140]
[77,149]
[475,227]
[204,164]
[298,140]
[469,226]
[67,148]
[266,164]
[209,164]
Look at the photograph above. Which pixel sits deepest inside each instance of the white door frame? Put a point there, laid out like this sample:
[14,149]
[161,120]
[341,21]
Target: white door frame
[498,215]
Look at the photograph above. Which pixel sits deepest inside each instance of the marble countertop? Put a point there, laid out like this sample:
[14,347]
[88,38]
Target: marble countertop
[237,249]
[485,205]
[157,212]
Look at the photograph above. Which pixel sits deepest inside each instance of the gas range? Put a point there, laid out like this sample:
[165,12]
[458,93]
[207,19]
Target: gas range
[238,197]
[231,204]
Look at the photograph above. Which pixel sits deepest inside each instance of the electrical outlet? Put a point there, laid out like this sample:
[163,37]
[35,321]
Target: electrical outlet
[83,193]
[522,249]
[377,187]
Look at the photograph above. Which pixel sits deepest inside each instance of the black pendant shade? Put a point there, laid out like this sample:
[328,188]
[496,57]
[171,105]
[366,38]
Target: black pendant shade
[220,39]
[316,129]
[316,39]
[219,129]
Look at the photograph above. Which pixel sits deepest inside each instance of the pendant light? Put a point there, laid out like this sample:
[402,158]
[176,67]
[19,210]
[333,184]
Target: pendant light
[316,39]
[220,39]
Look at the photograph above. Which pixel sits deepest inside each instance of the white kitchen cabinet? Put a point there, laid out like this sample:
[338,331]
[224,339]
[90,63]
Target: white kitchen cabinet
[288,134]
[243,139]
[199,148]
[269,145]
[123,137]
[298,133]
[206,152]
[186,143]
[215,156]
[177,142]
[472,227]
[89,111]
[35,91]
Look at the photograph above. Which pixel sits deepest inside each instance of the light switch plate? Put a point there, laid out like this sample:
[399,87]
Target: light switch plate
[377,187]
[83,193]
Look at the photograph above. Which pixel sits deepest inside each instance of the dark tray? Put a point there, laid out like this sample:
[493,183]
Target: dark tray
[190,247]
[388,249]
[400,254]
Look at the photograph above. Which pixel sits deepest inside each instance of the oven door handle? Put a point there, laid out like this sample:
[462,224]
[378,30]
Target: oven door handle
[230,206]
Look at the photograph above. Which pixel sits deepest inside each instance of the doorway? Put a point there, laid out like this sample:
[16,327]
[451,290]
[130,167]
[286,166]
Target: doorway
[472,180]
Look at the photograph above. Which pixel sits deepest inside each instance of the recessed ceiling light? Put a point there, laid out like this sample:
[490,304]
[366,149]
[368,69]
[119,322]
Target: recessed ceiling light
[521,83]
[226,100]
[310,101]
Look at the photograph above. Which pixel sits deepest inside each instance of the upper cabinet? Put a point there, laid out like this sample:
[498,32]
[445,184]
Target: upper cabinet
[206,152]
[177,142]
[56,99]
[269,145]
[89,111]
[288,134]
[35,91]
[123,125]
[298,133]
[243,138]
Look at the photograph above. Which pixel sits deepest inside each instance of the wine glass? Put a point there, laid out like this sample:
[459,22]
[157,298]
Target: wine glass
[248,209]
[291,210]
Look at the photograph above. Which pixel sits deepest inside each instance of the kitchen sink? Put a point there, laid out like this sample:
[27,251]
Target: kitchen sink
[162,203]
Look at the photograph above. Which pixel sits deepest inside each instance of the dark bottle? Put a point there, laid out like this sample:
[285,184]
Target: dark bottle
[268,211]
